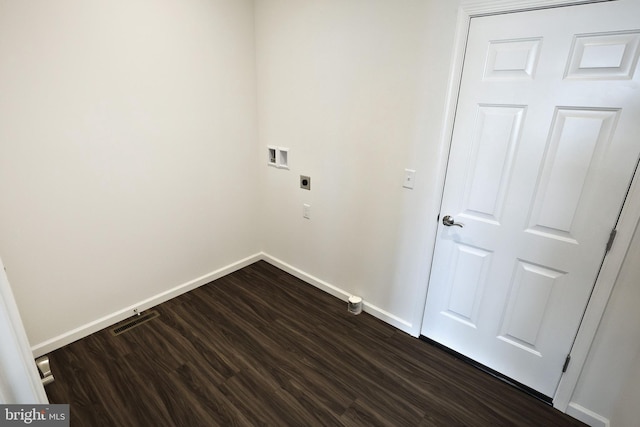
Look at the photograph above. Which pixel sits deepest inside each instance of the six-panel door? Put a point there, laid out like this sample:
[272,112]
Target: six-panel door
[545,143]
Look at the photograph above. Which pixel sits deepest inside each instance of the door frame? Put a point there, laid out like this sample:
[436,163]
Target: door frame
[627,221]
[21,381]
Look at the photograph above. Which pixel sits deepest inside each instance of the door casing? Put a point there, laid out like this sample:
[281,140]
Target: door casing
[629,216]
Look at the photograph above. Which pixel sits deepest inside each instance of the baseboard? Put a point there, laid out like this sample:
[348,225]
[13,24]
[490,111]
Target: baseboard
[113,318]
[586,416]
[337,292]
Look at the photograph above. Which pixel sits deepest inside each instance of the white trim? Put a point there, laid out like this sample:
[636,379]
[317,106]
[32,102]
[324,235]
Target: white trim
[586,416]
[19,378]
[113,318]
[628,219]
[339,293]
[490,7]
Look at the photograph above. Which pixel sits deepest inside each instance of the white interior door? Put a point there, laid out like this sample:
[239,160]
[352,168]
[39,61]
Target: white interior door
[545,143]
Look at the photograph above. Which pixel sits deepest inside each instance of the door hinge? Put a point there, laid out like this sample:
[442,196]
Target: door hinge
[566,363]
[612,237]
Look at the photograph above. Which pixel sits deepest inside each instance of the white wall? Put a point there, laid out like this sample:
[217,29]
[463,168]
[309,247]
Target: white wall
[356,90]
[127,151]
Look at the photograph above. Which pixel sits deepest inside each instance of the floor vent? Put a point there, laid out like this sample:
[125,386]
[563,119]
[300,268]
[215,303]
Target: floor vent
[133,322]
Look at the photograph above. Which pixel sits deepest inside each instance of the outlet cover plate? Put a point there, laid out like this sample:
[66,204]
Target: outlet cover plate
[409,177]
[305,182]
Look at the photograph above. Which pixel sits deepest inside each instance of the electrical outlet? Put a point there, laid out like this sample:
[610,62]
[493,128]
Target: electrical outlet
[305,182]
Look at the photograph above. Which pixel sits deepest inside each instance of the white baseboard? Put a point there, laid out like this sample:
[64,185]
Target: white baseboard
[586,416]
[337,292]
[113,318]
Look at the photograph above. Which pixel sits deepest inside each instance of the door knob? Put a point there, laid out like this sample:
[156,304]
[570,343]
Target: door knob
[448,221]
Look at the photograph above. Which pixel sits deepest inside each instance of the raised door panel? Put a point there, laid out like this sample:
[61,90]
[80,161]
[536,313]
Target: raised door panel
[578,140]
[603,56]
[495,139]
[527,305]
[468,276]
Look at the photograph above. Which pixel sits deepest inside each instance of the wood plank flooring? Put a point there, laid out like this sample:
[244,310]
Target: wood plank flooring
[262,348]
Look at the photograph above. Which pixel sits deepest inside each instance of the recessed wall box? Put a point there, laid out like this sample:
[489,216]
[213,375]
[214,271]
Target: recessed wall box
[273,156]
[283,158]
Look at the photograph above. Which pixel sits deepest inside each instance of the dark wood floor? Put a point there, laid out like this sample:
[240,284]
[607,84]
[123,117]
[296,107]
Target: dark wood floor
[260,347]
